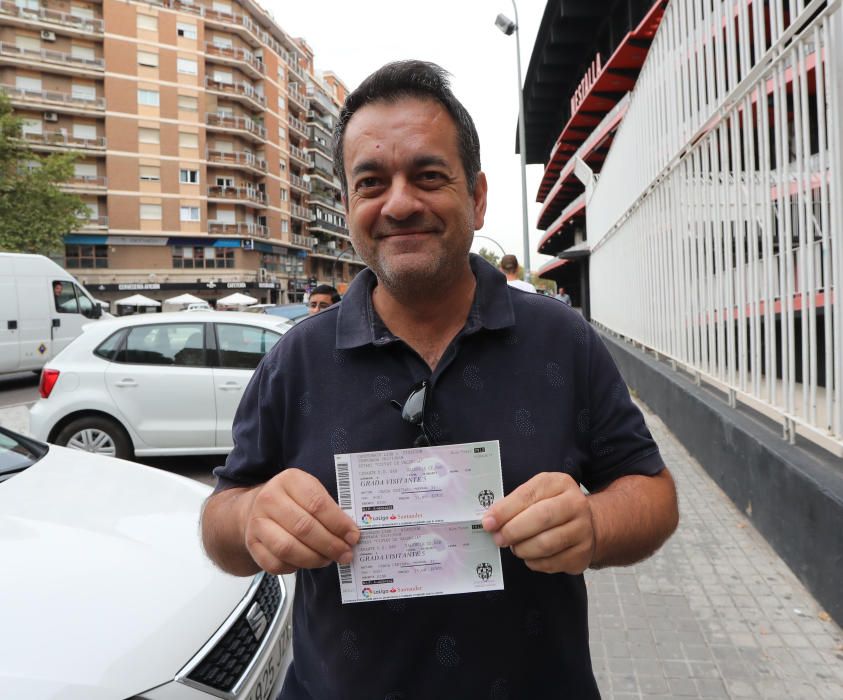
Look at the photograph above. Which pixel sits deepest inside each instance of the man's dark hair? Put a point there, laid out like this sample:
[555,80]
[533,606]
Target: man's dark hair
[414,78]
[327,289]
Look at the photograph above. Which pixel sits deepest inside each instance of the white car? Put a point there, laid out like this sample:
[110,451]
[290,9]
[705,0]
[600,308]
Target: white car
[107,594]
[153,384]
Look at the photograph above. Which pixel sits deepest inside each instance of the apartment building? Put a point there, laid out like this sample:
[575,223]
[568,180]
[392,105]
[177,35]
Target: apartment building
[203,132]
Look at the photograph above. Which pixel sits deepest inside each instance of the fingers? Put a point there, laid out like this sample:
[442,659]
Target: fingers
[295,523]
[541,487]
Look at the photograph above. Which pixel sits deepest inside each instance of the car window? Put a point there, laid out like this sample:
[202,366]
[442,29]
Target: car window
[65,297]
[86,305]
[15,455]
[179,344]
[242,347]
[108,347]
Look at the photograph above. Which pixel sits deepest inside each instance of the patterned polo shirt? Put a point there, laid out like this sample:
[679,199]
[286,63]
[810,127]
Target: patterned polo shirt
[526,370]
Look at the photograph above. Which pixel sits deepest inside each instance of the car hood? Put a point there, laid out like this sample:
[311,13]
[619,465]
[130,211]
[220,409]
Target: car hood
[104,588]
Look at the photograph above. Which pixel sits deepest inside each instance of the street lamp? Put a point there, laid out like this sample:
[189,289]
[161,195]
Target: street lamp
[477,235]
[508,27]
[350,249]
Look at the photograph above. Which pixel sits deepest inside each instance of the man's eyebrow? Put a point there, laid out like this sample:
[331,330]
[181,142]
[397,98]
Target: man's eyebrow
[367,166]
[426,161]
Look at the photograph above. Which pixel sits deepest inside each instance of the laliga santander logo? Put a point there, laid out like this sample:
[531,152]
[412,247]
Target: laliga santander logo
[367,592]
[393,517]
[367,518]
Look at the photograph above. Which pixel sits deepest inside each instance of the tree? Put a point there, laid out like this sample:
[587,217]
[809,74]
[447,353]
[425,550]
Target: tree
[34,213]
[489,256]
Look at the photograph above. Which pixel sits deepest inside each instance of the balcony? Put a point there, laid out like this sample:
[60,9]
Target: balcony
[299,212]
[328,201]
[187,7]
[239,229]
[323,148]
[298,126]
[85,183]
[242,125]
[298,155]
[242,25]
[292,63]
[63,22]
[59,141]
[322,225]
[95,223]
[240,91]
[238,159]
[297,98]
[234,56]
[303,241]
[60,101]
[299,183]
[248,196]
[53,61]
[320,99]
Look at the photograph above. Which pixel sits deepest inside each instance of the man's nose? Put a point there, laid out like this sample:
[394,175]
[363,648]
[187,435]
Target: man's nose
[402,200]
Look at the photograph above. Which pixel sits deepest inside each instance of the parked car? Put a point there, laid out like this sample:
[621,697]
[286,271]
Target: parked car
[42,309]
[107,593]
[198,306]
[166,384]
[293,312]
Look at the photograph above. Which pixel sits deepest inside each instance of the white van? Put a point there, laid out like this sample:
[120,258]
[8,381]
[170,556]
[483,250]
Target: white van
[42,308]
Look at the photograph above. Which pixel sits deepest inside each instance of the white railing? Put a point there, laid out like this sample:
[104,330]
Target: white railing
[721,250]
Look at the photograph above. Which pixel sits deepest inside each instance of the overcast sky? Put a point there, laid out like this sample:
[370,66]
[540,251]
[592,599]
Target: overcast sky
[354,37]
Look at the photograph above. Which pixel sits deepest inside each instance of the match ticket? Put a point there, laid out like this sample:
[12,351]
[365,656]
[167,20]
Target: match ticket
[421,560]
[440,484]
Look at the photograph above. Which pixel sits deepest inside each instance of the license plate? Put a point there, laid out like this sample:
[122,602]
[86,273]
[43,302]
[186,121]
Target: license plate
[264,688]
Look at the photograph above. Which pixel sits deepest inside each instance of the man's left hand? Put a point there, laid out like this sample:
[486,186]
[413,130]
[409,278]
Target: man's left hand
[547,522]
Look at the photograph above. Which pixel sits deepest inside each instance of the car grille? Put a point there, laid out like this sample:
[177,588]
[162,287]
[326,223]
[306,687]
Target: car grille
[229,658]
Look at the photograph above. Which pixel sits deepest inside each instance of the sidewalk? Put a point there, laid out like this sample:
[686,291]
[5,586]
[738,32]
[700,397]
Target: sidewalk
[715,614]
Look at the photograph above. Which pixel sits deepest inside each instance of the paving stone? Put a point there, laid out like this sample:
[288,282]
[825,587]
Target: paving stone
[714,614]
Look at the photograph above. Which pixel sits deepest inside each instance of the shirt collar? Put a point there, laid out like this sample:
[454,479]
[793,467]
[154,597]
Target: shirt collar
[358,323]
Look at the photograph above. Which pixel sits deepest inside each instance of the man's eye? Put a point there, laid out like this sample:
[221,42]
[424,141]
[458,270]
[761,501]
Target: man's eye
[367,183]
[431,177]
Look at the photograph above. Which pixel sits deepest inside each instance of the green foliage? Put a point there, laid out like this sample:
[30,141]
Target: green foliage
[34,213]
[489,256]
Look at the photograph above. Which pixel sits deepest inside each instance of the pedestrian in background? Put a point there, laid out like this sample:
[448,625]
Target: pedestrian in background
[563,296]
[509,267]
[428,315]
[322,297]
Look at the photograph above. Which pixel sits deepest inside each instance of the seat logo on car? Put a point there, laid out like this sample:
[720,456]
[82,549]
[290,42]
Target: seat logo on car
[257,621]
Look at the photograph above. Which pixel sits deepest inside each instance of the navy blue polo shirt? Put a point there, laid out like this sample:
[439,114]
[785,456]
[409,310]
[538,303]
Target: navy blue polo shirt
[526,370]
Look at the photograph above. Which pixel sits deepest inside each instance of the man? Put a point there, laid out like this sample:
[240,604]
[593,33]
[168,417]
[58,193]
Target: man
[409,163]
[509,267]
[563,296]
[322,296]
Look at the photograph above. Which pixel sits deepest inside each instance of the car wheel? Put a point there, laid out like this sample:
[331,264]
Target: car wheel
[94,434]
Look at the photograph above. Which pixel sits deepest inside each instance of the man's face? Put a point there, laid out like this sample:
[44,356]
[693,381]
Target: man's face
[318,302]
[410,213]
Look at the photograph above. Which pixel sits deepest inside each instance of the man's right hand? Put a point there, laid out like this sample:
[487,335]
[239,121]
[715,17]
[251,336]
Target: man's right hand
[293,523]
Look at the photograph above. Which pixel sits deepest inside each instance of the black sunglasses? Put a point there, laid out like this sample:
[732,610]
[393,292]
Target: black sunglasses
[414,411]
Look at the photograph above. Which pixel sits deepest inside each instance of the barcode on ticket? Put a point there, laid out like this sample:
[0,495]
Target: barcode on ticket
[343,482]
[345,574]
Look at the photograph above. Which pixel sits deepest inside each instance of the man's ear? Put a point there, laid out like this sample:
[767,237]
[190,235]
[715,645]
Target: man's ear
[480,191]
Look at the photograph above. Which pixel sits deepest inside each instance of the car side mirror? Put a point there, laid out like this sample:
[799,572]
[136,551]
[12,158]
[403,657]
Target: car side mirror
[96,311]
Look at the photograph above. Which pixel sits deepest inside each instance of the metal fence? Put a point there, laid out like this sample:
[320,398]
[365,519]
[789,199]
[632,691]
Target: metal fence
[715,223]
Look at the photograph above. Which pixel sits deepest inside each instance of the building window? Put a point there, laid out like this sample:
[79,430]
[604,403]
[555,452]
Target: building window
[150,212]
[150,173]
[190,177]
[281,103]
[285,226]
[225,182]
[186,30]
[149,135]
[83,92]
[188,140]
[189,214]
[85,256]
[147,22]
[282,133]
[285,195]
[197,257]
[186,66]
[188,103]
[150,98]
[148,58]
[85,53]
